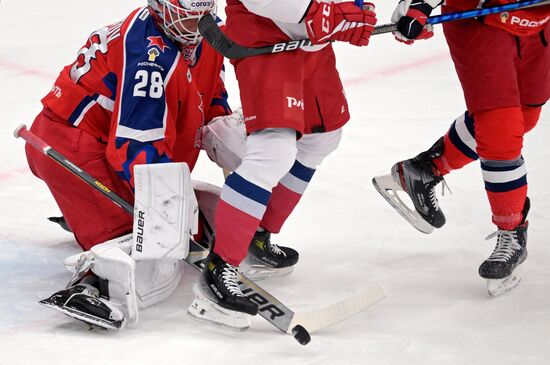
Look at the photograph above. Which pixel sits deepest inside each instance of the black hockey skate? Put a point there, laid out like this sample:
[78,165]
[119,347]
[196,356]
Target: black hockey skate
[417,177]
[218,297]
[510,251]
[267,260]
[62,223]
[82,301]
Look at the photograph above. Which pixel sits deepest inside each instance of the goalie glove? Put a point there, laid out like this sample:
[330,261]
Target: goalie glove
[411,17]
[224,140]
[344,22]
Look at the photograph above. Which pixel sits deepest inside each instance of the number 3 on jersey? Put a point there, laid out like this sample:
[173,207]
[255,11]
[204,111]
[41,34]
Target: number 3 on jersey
[149,85]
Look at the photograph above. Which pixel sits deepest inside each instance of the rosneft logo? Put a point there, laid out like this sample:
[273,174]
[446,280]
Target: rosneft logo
[153,54]
[504,17]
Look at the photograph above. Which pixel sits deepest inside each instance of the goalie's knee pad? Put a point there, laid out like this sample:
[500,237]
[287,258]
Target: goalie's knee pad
[499,133]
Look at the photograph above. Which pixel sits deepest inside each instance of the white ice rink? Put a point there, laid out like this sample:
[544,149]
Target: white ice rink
[436,310]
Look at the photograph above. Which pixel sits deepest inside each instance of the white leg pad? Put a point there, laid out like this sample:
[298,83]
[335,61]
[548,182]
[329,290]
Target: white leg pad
[165,211]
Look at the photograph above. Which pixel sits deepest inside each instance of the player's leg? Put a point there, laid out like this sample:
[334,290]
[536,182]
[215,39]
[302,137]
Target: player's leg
[243,201]
[499,135]
[91,217]
[274,116]
[503,166]
[325,109]
[419,176]
[265,258]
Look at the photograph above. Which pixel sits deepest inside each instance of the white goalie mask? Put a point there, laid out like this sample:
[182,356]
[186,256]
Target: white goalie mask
[179,18]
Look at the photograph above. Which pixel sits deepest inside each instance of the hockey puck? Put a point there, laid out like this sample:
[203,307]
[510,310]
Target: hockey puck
[301,335]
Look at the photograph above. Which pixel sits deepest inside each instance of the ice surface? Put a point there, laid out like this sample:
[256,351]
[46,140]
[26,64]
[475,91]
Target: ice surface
[437,310]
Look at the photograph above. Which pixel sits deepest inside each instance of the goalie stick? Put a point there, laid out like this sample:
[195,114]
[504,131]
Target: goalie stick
[271,309]
[229,49]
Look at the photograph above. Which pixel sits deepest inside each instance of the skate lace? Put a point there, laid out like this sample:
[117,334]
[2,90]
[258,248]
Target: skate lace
[230,280]
[273,247]
[276,249]
[507,245]
[431,194]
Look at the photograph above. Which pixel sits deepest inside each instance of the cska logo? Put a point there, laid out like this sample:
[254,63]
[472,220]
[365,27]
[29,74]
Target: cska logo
[158,42]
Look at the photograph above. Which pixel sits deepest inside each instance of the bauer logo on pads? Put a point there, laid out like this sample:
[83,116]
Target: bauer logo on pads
[165,211]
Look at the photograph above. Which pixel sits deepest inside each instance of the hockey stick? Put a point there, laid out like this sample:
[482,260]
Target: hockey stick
[270,308]
[229,49]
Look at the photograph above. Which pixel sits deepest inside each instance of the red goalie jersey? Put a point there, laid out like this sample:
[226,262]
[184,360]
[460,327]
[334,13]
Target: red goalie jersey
[131,88]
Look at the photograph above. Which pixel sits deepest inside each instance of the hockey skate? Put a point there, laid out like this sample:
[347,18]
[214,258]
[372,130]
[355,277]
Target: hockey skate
[500,269]
[82,301]
[62,223]
[267,260]
[417,177]
[218,298]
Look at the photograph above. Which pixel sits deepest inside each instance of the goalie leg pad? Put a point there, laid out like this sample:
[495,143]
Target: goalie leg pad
[131,285]
[165,212]
[156,280]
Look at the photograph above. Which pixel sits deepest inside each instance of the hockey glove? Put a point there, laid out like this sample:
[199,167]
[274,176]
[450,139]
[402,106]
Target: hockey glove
[343,22]
[410,17]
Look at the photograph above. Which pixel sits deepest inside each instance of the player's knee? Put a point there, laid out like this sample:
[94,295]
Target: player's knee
[499,133]
[313,148]
[531,116]
[270,154]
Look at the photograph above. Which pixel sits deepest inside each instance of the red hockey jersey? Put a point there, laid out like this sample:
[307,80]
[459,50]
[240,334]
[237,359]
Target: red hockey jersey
[131,88]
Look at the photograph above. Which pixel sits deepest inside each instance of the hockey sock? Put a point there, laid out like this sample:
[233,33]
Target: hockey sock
[506,186]
[459,145]
[499,137]
[286,196]
[240,209]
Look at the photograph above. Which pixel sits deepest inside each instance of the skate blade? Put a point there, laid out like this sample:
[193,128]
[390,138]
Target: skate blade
[84,317]
[205,311]
[255,270]
[388,188]
[496,287]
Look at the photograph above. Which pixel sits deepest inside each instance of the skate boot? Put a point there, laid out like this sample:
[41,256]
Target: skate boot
[266,259]
[418,178]
[83,302]
[510,251]
[218,298]
[62,223]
